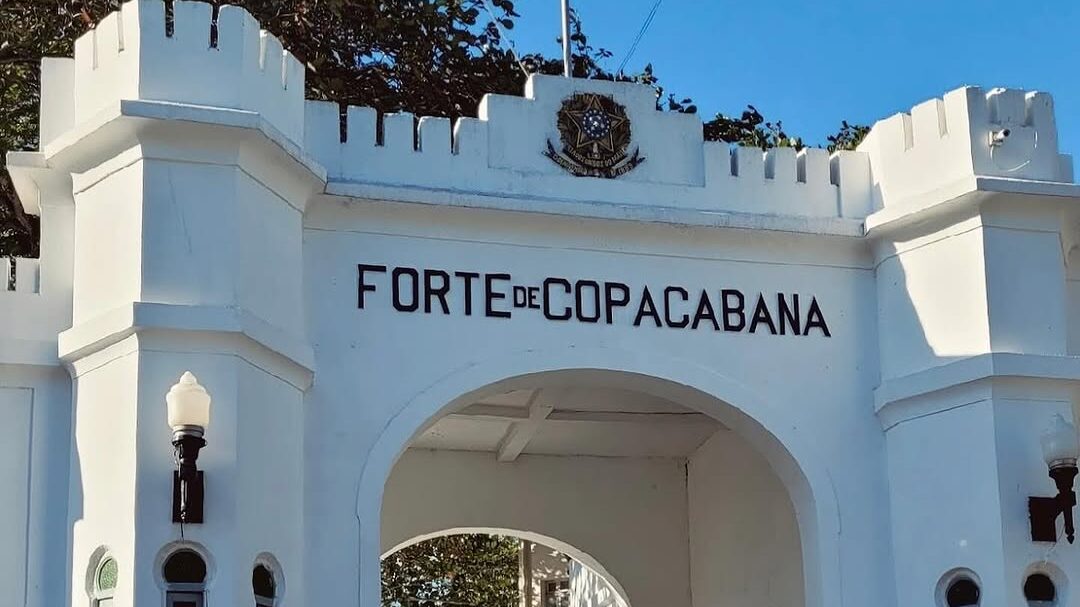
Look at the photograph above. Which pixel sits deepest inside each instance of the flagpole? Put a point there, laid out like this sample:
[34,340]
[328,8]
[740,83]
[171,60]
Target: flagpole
[568,65]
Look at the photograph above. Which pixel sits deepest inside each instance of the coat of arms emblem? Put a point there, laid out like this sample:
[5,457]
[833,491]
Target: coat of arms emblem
[595,134]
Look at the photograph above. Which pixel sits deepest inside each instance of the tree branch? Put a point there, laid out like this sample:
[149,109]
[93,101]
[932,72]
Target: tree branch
[18,60]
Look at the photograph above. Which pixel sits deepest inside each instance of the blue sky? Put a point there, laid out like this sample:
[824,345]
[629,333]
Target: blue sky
[812,64]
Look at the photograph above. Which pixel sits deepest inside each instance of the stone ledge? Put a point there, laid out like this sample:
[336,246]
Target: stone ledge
[834,226]
[961,194]
[895,392]
[96,334]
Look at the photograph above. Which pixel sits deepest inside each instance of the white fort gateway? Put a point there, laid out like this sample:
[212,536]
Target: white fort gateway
[711,377]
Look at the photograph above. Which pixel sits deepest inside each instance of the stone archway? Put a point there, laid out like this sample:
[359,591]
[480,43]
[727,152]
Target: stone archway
[759,423]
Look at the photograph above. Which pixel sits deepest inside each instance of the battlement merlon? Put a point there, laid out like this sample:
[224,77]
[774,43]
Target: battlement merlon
[130,55]
[968,133]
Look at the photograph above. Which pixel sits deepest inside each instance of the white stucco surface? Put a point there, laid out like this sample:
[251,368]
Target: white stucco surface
[744,539]
[588,503]
[343,301]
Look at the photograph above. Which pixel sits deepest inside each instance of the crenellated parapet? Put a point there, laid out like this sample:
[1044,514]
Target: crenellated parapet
[34,308]
[35,294]
[19,274]
[199,64]
[502,153]
[969,132]
[205,58]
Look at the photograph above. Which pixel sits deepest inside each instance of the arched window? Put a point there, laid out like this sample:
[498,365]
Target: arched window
[185,579]
[263,586]
[105,582]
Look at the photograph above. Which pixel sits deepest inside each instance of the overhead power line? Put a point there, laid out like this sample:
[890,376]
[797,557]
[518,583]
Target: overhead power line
[640,34]
[506,35]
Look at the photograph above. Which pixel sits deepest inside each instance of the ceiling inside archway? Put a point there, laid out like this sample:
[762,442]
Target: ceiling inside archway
[603,422]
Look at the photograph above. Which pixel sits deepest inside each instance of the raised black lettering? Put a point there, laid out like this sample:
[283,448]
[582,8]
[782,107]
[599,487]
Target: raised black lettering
[467,278]
[580,304]
[611,301]
[565,284]
[363,286]
[733,310]
[789,315]
[430,290]
[762,315]
[534,294]
[705,312]
[491,295]
[414,278]
[816,320]
[520,296]
[647,308]
[684,320]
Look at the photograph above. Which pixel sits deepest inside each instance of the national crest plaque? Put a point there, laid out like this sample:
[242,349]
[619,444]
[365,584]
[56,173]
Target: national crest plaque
[595,134]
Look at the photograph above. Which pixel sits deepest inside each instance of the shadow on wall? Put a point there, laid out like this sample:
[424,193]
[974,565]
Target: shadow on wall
[588,589]
[1072,302]
[931,300]
[75,501]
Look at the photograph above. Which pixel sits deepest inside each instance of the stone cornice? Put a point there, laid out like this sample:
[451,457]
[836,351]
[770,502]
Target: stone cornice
[223,329]
[158,127]
[903,398]
[657,213]
[961,196]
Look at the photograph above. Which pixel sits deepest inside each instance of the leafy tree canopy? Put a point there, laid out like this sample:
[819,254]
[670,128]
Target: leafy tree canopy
[473,570]
[429,57]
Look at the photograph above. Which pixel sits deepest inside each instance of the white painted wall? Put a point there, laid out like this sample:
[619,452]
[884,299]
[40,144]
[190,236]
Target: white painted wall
[102,497]
[1072,300]
[744,539]
[107,271]
[932,295]
[629,515]
[16,406]
[35,402]
[817,399]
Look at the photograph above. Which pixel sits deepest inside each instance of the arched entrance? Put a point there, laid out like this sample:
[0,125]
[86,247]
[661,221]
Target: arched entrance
[745,420]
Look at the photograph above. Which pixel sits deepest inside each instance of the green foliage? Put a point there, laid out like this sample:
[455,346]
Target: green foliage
[475,570]
[30,31]
[429,57]
[848,137]
[750,129]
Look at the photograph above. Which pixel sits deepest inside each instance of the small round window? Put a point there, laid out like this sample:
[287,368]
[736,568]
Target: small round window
[1039,590]
[962,592]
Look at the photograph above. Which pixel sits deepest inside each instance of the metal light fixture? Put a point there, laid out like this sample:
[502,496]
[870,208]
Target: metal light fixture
[189,415]
[1061,448]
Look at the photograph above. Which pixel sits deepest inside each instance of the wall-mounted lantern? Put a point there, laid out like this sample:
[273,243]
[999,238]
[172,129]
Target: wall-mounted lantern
[1061,448]
[189,415]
